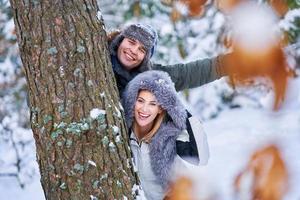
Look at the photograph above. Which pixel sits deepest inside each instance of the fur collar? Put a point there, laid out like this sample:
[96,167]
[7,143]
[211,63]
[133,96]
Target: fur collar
[163,151]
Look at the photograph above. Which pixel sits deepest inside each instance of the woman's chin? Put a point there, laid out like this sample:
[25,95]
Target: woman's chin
[143,124]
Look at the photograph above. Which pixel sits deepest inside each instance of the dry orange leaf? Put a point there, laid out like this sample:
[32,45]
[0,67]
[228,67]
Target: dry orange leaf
[268,174]
[280,6]
[196,7]
[191,8]
[196,11]
[180,190]
[244,64]
[226,5]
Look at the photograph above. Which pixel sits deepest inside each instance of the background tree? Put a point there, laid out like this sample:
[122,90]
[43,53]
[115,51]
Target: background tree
[75,115]
[15,136]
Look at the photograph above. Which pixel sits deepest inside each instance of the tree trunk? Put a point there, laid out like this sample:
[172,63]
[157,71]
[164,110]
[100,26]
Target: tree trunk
[80,136]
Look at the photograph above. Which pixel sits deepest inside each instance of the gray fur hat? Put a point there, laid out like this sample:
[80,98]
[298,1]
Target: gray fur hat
[146,34]
[161,85]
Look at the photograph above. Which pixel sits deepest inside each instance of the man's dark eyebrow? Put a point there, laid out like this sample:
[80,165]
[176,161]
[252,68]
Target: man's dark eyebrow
[131,39]
[134,40]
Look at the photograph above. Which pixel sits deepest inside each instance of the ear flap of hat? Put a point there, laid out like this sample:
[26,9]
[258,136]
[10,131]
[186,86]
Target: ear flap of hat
[112,35]
[153,48]
[115,42]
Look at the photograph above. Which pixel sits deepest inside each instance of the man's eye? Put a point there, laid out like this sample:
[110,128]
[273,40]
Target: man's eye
[143,51]
[131,41]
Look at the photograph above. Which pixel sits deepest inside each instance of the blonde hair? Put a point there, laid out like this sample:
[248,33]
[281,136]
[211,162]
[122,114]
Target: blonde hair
[157,122]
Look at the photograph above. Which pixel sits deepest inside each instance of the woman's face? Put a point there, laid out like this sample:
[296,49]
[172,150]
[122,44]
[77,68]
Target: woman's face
[146,109]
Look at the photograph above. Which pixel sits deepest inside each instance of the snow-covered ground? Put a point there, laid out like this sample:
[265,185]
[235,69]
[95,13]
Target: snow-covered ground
[233,136]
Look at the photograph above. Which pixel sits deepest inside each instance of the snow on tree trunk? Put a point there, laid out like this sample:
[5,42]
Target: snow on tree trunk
[80,135]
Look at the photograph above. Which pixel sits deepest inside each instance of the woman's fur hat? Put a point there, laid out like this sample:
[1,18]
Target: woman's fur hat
[160,84]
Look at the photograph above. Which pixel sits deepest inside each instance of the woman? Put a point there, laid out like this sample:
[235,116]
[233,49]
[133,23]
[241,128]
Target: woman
[156,119]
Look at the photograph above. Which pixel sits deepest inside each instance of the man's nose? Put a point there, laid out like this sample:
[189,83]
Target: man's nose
[134,49]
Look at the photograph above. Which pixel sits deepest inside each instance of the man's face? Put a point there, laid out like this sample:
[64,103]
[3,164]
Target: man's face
[131,53]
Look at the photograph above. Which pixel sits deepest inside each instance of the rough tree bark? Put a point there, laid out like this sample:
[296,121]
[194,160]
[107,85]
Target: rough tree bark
[79,131]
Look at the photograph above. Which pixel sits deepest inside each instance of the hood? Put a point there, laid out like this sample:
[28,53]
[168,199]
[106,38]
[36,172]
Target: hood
[161,85]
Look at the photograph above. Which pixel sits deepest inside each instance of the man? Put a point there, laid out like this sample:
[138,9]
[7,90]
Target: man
[131,50]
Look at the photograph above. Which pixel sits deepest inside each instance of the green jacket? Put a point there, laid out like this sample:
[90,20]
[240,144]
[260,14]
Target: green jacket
[189,75]
[193,74]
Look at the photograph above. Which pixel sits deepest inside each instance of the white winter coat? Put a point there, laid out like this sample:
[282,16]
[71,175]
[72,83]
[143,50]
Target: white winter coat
[151,186]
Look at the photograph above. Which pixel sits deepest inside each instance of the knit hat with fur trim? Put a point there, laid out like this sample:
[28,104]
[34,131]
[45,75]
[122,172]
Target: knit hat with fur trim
[160,84]
[143,33]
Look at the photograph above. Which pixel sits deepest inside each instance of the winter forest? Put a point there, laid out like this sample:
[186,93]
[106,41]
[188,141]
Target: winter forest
[252,118]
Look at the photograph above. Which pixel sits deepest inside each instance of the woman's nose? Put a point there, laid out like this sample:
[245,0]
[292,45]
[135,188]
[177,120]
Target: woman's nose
[145,107]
